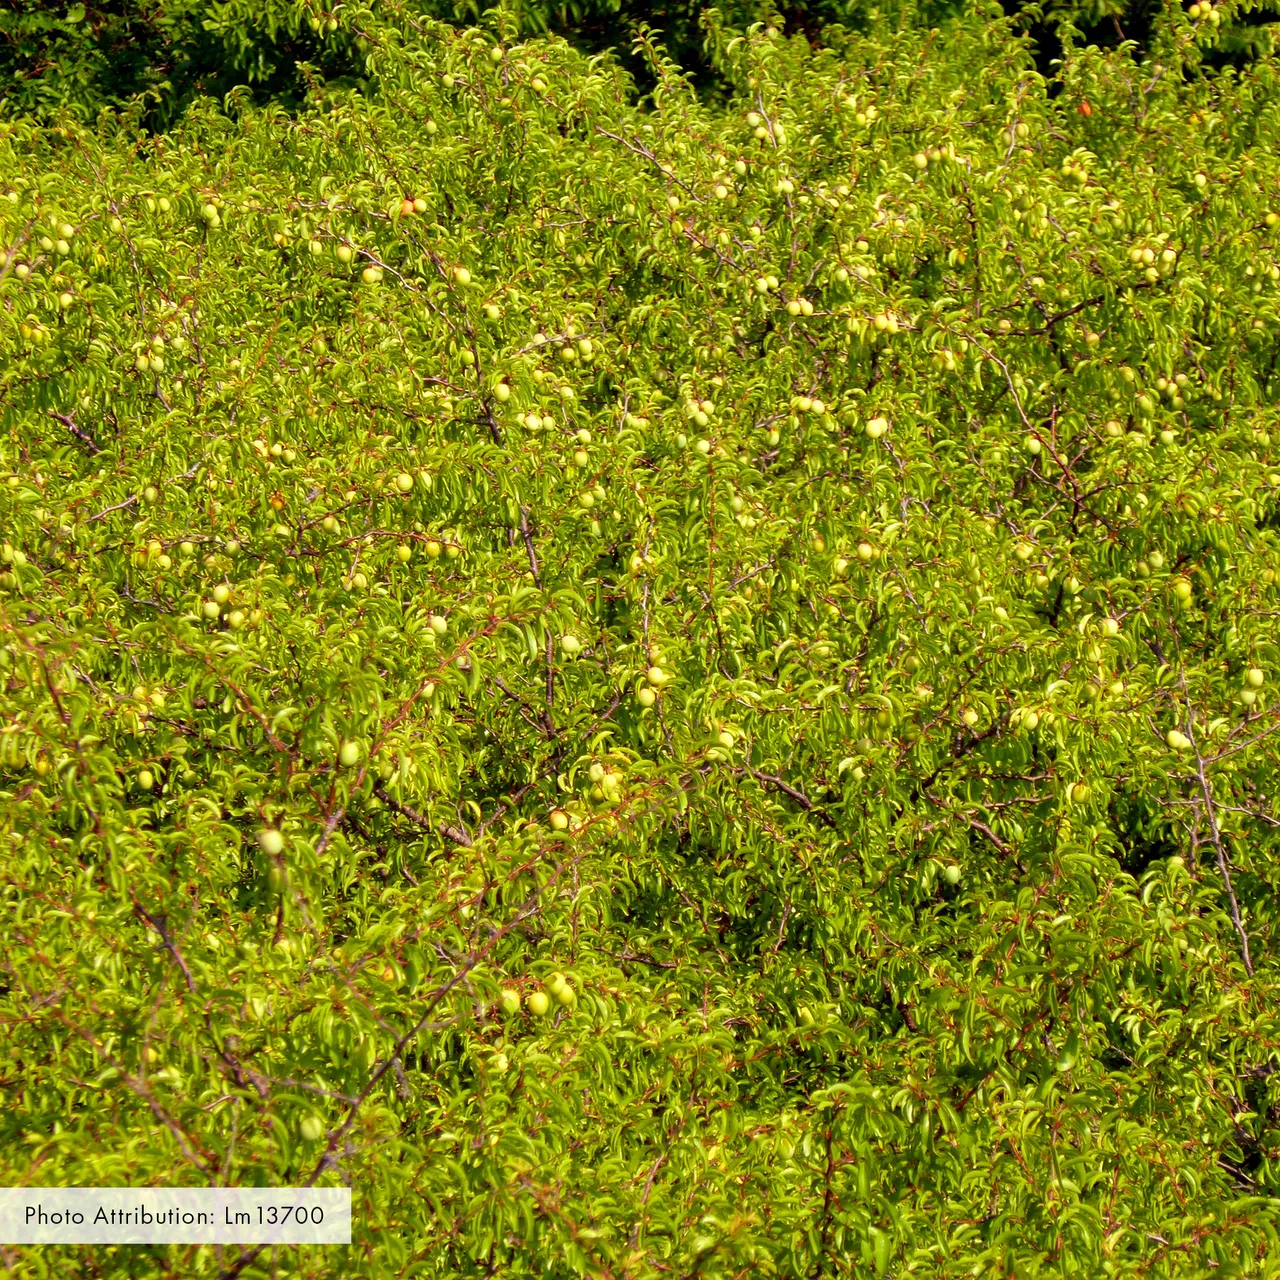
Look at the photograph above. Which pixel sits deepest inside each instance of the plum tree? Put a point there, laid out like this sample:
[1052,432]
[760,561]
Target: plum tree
[784,787]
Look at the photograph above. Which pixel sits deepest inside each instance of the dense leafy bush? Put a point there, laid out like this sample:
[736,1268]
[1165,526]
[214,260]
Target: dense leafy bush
[665,693]
[162,54]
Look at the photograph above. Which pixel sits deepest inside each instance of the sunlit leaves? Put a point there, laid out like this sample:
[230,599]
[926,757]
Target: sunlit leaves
[797,682]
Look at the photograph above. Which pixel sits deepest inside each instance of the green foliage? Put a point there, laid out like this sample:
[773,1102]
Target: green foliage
[804,572]
[82,58]
[164,54]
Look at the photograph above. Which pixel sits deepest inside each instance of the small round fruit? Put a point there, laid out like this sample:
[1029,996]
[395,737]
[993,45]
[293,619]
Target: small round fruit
[865,551]
[311,1128]
[646,697]
[146,779]
[537,1003]
[1255,677]
[656,676]
[570,645]
[970,717]
[1178,740]
[349,754]
[510,1001]
[439,624]
[210,609]
[502,392]
[271,842]
[404,482]
[559,820]
[404,553]
[951,874]
[371,275]
[462,275]
[1080,792]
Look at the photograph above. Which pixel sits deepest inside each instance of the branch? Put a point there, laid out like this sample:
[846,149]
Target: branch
[459,835]
[158,924]
[528,546]
[80,434]
[1220,852]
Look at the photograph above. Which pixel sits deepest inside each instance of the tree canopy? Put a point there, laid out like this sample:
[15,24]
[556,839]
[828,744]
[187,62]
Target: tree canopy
[661,687]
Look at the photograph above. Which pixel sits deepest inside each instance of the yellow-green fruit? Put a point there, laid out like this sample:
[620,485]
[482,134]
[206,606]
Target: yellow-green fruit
[646,697]
[349,754]
[656,676]
[559,820]
[404,482]
[311,1128]
[537,1003]
[510,1001]
[404,553]
[570,644]
[1178,740]
[271,842]
[1255,677]
[1080,792]
[970,717]
[146,779]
